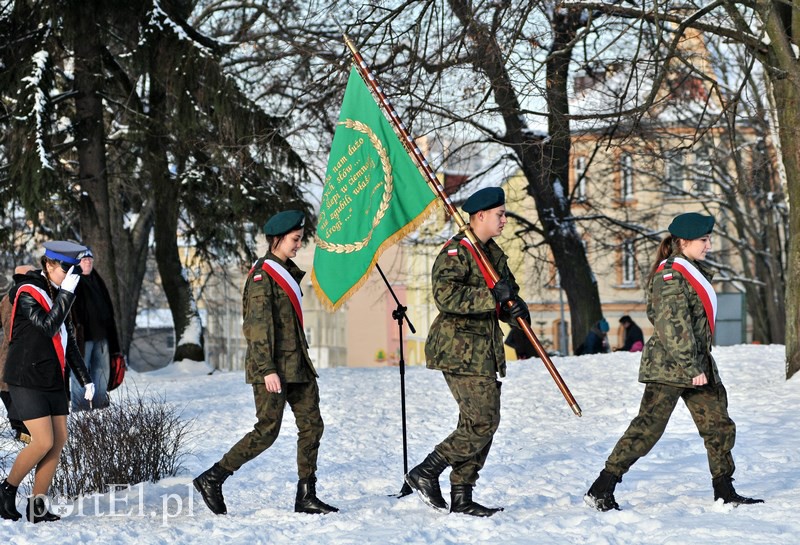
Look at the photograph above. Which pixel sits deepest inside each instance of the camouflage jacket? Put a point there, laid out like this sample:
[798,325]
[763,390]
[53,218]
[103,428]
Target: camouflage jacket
[276,342]
[465,338]
[680,348]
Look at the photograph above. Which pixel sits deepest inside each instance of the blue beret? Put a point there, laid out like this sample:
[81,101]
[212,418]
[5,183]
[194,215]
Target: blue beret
[484,199]
[64,251]
[283,222]
[691,225]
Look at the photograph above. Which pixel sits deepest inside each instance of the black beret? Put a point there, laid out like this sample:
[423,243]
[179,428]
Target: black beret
[484,199]
[691,225]
[64,251]
[283,222]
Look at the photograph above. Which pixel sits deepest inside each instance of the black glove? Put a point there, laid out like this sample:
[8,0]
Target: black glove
[502,291]
[520,309]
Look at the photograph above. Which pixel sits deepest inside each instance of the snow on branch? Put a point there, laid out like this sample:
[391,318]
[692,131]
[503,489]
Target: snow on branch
[159,19]
[39,110]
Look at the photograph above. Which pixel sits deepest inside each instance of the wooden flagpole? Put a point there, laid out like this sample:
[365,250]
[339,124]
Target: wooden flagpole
[433,182]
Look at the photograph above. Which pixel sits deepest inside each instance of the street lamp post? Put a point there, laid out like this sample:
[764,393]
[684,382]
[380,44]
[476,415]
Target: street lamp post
[562,327]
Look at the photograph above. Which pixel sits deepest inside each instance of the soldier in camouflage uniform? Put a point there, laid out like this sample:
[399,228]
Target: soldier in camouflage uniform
[278,366]
[465,343]
[677,364]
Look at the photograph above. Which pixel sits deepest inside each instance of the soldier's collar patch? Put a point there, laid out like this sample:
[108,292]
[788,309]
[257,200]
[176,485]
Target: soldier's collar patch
[258,277]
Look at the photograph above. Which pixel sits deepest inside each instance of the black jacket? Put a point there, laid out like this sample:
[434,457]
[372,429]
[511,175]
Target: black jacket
[593,344]
[32,360]
[83,308]
[633,333]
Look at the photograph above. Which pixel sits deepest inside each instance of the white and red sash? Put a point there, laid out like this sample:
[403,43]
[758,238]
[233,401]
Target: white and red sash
[281,276]
[465,242]
[700,284]
[43,298]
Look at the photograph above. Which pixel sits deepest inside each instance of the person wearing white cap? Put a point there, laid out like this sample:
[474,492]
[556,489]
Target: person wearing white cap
[96,333]
[42,345]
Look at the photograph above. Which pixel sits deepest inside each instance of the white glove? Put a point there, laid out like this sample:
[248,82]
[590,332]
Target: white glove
[89,395]
[70,281]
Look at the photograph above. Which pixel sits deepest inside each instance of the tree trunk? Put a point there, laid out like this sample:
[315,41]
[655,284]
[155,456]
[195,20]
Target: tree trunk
[545,164]
[94,202]
[786,96]
[770,303]
[120,250]
[757,237]
[189,341]
[561,233]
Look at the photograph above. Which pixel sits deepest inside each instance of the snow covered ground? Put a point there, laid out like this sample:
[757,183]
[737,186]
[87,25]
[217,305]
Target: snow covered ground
[542,461]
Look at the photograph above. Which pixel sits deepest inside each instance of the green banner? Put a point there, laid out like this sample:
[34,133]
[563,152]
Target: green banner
[374,195]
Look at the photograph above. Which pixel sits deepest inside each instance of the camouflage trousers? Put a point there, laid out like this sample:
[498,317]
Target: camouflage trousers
[709,409]
[303,398]
[466,449]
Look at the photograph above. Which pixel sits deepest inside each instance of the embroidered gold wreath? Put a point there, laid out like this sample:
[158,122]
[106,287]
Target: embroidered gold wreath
[387,195]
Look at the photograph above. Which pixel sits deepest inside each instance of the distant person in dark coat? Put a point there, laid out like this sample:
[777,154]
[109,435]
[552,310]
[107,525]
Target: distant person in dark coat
[634,339]
[596,341]
[97,334]
[517,340]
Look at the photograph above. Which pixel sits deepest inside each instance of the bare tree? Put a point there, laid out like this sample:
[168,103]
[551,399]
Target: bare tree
[764,31]
[466,76]
[493,78]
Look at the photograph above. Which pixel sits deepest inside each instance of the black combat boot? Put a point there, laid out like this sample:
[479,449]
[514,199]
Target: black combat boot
[424,478]
[36,511]
[306,500]
[461,502]
[8,501]
[723,488]
[209,484]
[601,494]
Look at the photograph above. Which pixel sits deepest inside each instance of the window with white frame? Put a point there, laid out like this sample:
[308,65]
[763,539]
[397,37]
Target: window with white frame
[703,171]
[626,177]
[675,174]
[580,178]
[628,263]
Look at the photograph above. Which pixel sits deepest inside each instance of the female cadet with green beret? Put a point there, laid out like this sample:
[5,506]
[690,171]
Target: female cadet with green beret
[677,364]
[278,366]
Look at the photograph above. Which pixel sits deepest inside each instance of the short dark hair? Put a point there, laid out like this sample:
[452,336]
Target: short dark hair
[625,320]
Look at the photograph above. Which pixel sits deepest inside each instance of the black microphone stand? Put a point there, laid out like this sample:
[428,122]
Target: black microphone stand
[399,314]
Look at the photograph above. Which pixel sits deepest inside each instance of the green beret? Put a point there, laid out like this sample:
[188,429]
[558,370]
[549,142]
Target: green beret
[484,199]
[691,225]
[283,222]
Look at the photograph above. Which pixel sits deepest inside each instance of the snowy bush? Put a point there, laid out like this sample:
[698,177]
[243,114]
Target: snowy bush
[136,440]
[8,446]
